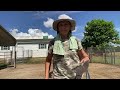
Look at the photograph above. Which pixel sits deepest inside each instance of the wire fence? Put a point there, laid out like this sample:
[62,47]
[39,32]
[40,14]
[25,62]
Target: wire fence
[106,56]
[6,57]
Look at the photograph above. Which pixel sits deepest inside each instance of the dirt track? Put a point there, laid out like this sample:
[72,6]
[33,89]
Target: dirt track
[36,71]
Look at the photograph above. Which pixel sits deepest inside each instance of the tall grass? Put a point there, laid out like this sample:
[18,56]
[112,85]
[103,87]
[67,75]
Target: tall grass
[36,60]
[2,64]
[109,60]
[97,59]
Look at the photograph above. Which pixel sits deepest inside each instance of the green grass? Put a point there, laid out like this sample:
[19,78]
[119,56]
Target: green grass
[117,54]
[2,61]
[35,60]
[97,59]
[117,60]
[2,66]
[101,59]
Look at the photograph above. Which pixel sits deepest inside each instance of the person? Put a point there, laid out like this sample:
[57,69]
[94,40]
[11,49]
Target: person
[66,53]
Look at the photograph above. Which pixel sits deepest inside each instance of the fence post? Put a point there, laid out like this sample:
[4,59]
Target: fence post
[11,57]
[105,56]
[15,56]
[15,60]
[4,57]
[90,54]
[114,56]
[23,54]
[28,53]
[111,57]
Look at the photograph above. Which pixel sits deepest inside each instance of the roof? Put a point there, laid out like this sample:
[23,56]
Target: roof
[6,39]
[32,41]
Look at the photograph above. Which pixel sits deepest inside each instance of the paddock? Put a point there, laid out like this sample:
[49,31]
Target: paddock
[36,71]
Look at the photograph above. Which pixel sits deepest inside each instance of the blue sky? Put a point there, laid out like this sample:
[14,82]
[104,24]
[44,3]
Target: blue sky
[35,24]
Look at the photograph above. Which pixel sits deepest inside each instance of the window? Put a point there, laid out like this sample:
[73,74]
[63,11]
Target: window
[5,47]
[42,46]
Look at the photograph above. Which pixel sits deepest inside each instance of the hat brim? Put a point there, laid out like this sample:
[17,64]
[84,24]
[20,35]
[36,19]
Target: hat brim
[73,23]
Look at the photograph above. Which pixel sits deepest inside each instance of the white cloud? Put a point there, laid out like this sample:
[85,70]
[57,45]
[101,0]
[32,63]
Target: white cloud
[32,34]
[50,36]
[14,31]
[76,28]
[48,23]
[21,34]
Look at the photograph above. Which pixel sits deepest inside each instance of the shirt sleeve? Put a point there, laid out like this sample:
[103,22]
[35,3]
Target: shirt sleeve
[79,44]
[50,46]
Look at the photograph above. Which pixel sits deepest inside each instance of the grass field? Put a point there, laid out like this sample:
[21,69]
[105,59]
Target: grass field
[34,60]
[109,59]
[95,59]
[2,64]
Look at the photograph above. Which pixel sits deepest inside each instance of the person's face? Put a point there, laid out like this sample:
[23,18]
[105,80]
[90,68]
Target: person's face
[64,27]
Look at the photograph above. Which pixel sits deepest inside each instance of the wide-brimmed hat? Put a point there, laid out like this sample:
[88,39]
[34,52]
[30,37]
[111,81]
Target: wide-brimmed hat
[73,23]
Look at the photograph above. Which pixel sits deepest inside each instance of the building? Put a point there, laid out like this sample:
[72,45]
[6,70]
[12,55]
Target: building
[19,48]
[7,47]
[26,48]
[32,47]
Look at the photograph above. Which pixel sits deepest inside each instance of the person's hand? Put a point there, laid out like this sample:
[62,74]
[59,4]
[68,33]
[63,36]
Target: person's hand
[84,65]
[84,60]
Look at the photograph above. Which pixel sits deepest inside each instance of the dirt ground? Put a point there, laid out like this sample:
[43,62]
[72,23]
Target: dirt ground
[36,71]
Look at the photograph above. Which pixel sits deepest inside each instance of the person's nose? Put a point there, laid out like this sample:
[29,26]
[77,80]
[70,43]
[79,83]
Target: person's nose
[63,26]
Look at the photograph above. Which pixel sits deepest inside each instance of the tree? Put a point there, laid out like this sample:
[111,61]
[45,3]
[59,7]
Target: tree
[99,32]
[116,41]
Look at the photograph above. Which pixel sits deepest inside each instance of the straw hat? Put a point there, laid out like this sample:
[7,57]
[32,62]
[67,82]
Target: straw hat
[73,23]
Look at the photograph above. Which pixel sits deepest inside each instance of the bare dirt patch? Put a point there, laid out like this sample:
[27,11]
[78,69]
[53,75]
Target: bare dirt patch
[23,71]
[36,71]
[104,71]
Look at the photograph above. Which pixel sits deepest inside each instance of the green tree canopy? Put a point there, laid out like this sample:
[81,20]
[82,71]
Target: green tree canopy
[99,32]
[116,41]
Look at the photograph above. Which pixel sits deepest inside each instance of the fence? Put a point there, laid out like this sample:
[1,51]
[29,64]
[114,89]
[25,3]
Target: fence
[6,59]
[107,55]
[23,54]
